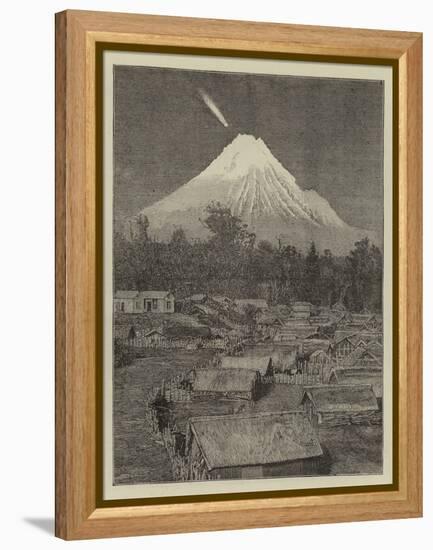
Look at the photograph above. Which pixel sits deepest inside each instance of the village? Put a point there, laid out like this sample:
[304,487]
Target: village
[242,389]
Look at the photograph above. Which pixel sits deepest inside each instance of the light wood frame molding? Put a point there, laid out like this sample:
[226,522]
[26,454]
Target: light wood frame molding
[78,511]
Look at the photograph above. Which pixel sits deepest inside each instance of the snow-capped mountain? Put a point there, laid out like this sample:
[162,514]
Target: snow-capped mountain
[258,189]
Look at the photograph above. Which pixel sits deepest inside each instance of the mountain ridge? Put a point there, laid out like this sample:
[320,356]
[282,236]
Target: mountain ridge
[252,182]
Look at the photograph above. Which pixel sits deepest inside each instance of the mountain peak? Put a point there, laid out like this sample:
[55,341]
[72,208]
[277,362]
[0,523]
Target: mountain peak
[247,142]
[244,140]
[244,153]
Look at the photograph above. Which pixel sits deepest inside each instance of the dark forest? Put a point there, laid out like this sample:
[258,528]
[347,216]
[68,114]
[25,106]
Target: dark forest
[230,262]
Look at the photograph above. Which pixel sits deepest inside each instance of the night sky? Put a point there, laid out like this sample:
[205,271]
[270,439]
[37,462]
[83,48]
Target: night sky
[327,132]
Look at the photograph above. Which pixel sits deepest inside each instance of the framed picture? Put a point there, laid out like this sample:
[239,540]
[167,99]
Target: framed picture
[238,285]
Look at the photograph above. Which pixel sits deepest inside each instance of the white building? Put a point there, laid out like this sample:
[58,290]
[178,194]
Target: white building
[148,301]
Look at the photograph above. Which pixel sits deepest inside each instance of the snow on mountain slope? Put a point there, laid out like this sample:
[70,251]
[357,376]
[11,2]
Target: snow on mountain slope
[255,185]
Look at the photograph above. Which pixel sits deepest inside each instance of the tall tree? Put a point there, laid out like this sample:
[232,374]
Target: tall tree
[227,229]
[329,278]
[142,228]
[312,276]
[364,273]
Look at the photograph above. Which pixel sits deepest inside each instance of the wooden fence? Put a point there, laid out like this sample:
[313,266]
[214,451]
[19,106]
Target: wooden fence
[179,388]
[178,343]
[301,379]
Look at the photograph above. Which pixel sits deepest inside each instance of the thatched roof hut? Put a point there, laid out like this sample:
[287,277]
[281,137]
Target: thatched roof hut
[363,357]
[254,439]
[225,383]
[341,398]
[248,363]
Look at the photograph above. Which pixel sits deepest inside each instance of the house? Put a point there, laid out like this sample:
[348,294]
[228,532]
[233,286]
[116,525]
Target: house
[338,404]
[153,338]
[262,365]
[126,301]
[252,446]
[320,363]
[225,383]
[362,357]
[358,336]
[359,319]
[268,324]
[370,342]
[156,301]
[342,320]
[373,323]
[302,310]
[148,301]
[373,378]
[294,330]
[343,347]
[375,347]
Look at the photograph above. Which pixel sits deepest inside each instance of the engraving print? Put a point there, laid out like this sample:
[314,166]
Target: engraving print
[247,276]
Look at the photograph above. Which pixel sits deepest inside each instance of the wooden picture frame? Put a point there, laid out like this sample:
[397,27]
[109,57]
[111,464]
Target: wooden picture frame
[80,39]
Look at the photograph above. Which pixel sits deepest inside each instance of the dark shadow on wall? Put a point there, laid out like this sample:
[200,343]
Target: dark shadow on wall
[43,524]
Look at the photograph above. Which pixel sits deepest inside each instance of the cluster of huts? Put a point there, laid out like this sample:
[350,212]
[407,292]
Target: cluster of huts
[275,444]
[245,442]
[218,322]
[332,357]
[253,444]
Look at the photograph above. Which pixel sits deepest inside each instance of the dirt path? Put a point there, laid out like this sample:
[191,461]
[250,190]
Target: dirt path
[139,455]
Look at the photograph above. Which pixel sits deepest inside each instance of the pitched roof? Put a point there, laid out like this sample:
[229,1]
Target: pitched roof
[373,322]
[125,294]
[375,379]
[254,363]
[153,331]
[252,439]
[339,397]
[154,293]
[349,337]
[131,294]
[358,353]
[375,347]
[319,353]
[224,380]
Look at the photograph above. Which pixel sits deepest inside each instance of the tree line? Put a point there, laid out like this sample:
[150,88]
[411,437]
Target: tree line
[232,263]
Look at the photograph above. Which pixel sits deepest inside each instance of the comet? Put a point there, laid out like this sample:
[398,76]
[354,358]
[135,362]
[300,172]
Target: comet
[209,102]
